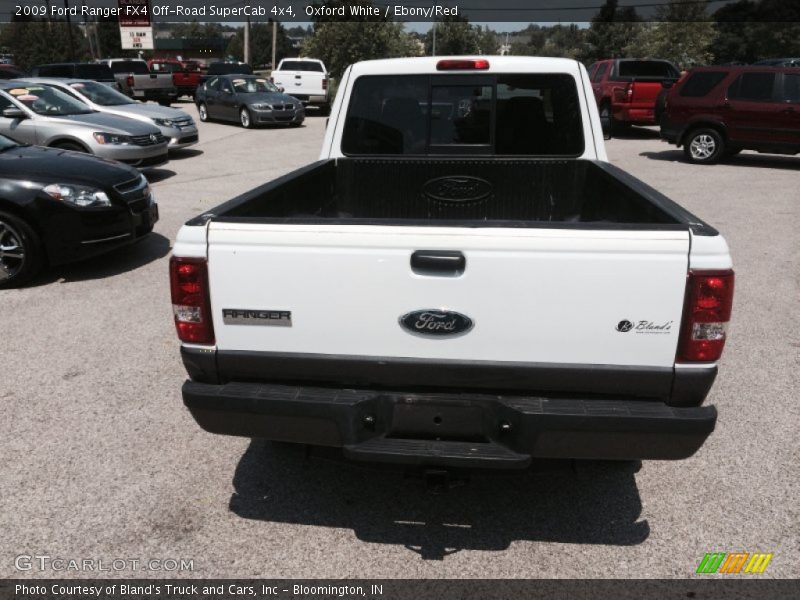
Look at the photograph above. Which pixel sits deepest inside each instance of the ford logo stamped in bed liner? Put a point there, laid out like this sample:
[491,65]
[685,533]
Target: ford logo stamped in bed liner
[457,188]
[436,323]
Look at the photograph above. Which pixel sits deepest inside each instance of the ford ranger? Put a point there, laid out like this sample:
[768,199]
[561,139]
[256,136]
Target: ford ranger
[461,280]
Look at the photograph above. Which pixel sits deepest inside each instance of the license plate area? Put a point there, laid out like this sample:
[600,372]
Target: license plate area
[412,419]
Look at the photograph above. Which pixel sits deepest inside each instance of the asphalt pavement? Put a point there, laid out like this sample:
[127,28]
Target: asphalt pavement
[101,461]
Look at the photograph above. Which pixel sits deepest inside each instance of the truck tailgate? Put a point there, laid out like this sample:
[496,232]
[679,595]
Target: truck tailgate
[645,92]
[300,82]
[578,296]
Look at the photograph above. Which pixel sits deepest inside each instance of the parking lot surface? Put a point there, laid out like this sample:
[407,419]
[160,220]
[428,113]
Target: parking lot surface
[100,459]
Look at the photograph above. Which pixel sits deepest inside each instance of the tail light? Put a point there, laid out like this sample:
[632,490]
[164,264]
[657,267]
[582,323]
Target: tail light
[479,64]
[325,83]
[129,81]
[191,305]
[709,297]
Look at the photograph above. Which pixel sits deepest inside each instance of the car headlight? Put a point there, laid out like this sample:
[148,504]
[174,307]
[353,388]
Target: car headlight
[164,122]
[262,106]
[79,195]
[111,138]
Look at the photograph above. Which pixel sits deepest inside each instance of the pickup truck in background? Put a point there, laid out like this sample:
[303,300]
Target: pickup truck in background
[461,280]
[184,78]
[137,81]
[305,79]
[626,90]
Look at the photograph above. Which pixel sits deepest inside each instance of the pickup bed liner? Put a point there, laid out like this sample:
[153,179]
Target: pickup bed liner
[472,192]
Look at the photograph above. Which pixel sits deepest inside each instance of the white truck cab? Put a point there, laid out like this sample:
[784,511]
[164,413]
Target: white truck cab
[461,280]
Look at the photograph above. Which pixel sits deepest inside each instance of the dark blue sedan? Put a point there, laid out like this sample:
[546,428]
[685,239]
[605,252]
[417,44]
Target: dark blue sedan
[248,99]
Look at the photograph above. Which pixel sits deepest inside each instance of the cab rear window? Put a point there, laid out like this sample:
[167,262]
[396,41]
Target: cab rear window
[527,114]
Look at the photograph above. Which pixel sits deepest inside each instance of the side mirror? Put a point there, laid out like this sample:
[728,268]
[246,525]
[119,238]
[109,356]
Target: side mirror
[14,113]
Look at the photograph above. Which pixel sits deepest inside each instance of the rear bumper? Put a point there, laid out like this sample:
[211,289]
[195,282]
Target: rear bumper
[469,430]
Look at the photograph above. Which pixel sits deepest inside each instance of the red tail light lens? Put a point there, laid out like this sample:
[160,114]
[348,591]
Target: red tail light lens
[709,298]
[325,84]
[190,299]
[129,81]
[462,65]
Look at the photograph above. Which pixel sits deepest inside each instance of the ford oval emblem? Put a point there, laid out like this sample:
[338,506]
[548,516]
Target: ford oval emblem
[457,189]
[436,323]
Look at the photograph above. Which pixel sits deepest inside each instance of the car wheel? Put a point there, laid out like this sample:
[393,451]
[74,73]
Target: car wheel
[704,146]
[202,111]
[244,118]
[20,251]
[70,146]
[605,117]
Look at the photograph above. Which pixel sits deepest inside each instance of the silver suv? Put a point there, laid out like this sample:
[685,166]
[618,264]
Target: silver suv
[41,114]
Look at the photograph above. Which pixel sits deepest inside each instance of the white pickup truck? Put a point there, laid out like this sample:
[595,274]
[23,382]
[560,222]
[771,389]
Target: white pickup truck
[305,79]
[461,280]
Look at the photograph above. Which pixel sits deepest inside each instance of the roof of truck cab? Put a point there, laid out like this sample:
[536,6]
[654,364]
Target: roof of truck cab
[497,64]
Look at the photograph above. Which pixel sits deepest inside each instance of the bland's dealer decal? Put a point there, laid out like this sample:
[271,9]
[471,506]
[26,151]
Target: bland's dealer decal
[245,316]
[625,326]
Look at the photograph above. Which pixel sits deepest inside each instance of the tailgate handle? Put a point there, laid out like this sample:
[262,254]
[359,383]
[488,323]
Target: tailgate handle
[440,263]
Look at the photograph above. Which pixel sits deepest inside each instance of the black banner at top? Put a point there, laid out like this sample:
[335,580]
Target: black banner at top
[139,13]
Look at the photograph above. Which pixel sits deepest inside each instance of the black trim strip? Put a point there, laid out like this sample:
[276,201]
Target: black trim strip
[413,373]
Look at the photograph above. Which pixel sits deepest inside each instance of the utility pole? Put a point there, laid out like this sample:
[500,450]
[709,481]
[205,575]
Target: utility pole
[274,44]
[88,32]
[69,32]
[247,41]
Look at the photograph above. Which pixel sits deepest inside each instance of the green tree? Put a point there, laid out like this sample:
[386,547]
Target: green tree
[612,31]
[682,33]
[748,31]
[260,44]
[35,42]
[341,44]
[454,36]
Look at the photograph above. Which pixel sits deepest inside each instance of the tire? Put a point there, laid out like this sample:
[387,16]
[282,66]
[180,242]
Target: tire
[202,112]
[244,118]
[20,251]
[605,113]
[704,146]
[73,146]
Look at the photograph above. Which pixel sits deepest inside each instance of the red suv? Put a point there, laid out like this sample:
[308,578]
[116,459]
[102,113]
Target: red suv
[626,89]
[715,112]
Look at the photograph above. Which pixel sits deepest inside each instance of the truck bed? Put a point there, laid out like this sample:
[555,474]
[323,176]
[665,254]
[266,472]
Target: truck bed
[460,192]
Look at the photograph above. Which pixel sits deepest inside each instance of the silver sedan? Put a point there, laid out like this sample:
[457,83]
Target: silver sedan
[175,125]
[43,115]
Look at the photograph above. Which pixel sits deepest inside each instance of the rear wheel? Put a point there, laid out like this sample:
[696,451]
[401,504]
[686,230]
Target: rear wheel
[202,111]
[244,118]
[20,251]
[704,146]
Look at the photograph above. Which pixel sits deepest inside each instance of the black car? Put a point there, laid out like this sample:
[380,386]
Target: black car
[248,99]
[58,206]
[92,71]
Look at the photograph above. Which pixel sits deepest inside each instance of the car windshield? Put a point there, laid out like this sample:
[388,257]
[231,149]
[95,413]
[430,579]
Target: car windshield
[101,94]
[253,86]
[47,100]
